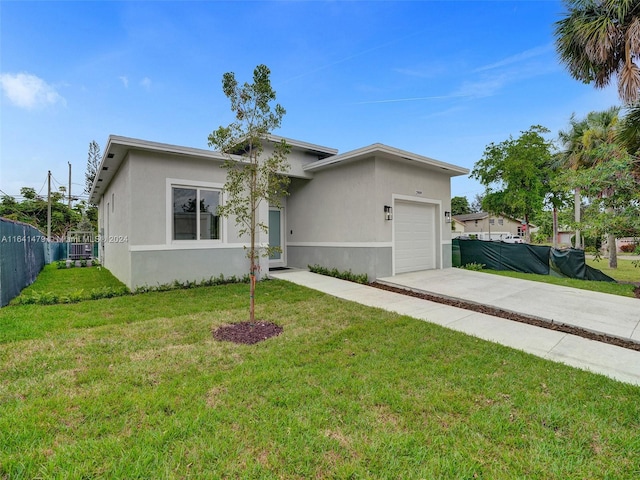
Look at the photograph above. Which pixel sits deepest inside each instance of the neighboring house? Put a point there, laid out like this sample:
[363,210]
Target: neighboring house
[483,222]
[376,210]
[457,227]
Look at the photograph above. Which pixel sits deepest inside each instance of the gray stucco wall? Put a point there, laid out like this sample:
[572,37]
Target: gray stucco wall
[115,223]
[159,267]
[374,261]
[344,205]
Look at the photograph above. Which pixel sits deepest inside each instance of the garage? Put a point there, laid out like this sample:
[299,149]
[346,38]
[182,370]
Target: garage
[414,236]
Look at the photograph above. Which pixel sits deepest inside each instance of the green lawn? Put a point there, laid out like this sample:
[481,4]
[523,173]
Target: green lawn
[70,284]
[136,387]
[626,272]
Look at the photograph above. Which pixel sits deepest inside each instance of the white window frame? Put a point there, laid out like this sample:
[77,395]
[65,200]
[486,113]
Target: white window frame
[182,183]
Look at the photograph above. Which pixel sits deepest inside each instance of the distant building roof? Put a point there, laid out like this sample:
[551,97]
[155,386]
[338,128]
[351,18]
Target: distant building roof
[471,216]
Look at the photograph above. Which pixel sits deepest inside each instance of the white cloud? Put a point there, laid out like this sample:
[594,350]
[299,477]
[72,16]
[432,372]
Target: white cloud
[124,80]
[519,57]
[146,83]
[29,91]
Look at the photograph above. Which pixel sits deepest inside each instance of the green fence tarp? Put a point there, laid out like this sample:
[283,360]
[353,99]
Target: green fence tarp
[521,257]
[22,256]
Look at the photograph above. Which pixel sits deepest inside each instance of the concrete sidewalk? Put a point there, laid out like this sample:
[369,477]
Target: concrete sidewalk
[616,362]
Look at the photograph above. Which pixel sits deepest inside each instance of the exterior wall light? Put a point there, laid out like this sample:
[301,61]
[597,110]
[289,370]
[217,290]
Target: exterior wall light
[447,217]
[388,212]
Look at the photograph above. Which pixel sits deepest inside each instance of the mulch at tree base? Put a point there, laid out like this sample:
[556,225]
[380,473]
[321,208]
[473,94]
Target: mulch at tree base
[246,332]
[496,312]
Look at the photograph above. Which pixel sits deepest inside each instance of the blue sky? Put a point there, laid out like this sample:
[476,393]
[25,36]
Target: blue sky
[439,78]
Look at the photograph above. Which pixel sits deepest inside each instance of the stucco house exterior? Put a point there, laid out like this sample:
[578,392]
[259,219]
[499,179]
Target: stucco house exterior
[375,210]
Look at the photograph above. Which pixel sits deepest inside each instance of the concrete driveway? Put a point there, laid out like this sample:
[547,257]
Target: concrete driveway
[598,312]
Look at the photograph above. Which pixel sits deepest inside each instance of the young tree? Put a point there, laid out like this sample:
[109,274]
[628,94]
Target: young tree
[252,178]
[514,173]
[93,162]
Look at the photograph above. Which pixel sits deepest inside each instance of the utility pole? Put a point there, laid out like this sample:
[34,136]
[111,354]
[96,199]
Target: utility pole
[69,185]
[49,206]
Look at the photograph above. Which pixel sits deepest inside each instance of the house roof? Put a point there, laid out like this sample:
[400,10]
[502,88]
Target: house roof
[468,217]
[385,151]
[118,147]
[116,151]
[471,216]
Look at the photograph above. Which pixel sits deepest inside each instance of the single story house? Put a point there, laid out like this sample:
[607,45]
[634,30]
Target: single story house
[375,210]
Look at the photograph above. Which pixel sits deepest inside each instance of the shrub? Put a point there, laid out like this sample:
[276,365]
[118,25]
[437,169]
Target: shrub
[362,278]
[476,267]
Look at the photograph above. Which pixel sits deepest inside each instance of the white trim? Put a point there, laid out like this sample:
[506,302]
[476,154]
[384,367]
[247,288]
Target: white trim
[181,182]
[341,244]
[187,245]
[379,148]
[282,261]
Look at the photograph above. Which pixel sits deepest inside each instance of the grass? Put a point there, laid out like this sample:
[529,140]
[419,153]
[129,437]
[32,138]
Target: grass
[136,387]
[624,290]
[70,284]
[626,271]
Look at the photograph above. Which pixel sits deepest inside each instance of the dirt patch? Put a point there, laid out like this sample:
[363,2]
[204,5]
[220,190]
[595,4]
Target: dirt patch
[246,332]
[518,317]
[636,292]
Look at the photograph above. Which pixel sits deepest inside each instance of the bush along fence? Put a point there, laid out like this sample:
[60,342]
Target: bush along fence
[521,257]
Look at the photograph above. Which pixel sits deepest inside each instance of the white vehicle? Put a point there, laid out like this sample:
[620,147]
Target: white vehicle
[512,239]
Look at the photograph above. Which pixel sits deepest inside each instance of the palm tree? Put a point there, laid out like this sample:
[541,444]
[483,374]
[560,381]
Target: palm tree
[599,39]
[628,134]
[582,142]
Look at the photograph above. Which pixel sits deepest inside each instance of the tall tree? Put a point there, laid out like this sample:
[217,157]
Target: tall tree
[93,162]
[613,190]
[514,172]
[476,205]
[628,134]
[460,206]
[579,143]
[590,142]
[600,39]
[252,178]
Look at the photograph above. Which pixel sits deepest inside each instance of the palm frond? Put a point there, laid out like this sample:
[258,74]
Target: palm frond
[629,83]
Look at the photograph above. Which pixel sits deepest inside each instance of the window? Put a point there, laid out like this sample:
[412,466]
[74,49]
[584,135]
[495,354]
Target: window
[195,214]
[492,221]
[500,221]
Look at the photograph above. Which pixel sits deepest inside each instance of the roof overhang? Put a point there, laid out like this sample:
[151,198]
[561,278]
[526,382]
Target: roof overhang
[384,151]
[118,148]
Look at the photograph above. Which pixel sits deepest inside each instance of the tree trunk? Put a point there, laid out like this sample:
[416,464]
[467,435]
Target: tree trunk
[613,251]
[555,227]
[252,253]
[577,202]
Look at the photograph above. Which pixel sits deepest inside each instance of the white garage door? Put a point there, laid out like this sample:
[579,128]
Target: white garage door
[415,236]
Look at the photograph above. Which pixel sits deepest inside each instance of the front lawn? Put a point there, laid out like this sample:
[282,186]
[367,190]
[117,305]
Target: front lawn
[627,270]
[136,387]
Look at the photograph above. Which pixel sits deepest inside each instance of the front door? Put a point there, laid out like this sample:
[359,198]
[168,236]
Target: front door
[276,237]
